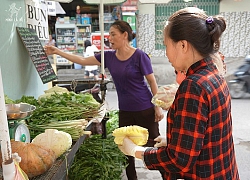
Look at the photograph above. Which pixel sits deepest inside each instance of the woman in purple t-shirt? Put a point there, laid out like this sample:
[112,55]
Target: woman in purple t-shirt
[129,67]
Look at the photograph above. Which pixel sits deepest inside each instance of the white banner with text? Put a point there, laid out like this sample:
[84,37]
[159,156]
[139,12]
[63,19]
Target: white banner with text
[37,17]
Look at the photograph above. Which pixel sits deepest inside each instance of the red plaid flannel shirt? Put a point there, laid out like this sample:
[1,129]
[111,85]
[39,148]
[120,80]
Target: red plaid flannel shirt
[199,130]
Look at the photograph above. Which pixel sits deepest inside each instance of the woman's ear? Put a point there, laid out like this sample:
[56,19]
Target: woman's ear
[184,45]
[125,35]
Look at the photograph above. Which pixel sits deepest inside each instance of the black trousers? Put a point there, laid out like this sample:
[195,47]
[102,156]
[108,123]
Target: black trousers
[146,119]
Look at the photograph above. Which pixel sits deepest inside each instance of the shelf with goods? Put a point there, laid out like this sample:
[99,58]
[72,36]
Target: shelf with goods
[107,25]
[83,33]
[66,41]
[95,22]
[107,21]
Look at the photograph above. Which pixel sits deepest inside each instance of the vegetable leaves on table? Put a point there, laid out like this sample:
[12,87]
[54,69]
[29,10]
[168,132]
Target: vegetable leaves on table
[99,158]
[62,107]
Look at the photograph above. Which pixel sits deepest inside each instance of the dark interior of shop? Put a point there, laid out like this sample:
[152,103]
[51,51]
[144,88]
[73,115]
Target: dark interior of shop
[70,8]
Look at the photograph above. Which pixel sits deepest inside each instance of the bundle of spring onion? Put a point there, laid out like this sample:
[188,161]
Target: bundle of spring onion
[76,128]
[68,112]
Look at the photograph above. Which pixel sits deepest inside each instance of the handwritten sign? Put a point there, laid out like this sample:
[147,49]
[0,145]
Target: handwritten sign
[37,54]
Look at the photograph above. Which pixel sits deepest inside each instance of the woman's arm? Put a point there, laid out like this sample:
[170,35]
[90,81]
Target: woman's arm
[152,83]
[50,50]
[154,88]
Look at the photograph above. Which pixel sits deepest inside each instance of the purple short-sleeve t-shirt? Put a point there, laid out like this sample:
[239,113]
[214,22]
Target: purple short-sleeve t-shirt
[128,76]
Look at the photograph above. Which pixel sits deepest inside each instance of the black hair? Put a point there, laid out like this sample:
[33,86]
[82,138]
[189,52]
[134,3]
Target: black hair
[124,26]
[192,24]
[87,43]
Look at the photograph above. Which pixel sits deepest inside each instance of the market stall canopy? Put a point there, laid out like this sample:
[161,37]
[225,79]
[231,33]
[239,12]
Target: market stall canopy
[59,9]
[154,1]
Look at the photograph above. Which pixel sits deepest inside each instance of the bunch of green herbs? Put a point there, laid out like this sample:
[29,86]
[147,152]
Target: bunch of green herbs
[62,107]
[99,158]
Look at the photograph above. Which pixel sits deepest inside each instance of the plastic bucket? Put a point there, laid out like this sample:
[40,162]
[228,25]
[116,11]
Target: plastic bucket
[77,66]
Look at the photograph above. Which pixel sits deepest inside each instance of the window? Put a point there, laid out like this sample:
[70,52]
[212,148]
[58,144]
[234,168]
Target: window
[163,11]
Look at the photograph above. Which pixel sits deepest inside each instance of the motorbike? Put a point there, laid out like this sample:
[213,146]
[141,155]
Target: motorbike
[240,85]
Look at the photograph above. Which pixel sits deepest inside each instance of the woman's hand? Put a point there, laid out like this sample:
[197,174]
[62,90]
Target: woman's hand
[161,141]
[158,114]
[50,50]
[129,148]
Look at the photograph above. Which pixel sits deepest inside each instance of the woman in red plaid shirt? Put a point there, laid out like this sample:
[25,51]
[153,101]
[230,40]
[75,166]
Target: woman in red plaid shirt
[199,142]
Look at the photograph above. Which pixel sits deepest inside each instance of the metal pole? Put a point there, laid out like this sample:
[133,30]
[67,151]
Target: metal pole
[102,36]
[103,85]
[8,164]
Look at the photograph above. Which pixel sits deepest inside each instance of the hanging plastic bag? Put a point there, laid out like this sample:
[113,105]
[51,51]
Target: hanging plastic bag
[165,96]
[20,174]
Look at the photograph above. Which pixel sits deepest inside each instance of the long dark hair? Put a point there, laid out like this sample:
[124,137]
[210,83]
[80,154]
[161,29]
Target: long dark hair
[124,26]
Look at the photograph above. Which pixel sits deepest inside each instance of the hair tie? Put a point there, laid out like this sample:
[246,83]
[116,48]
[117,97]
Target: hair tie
[210,20]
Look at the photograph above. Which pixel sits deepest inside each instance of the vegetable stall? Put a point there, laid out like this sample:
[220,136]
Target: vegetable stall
[60,113]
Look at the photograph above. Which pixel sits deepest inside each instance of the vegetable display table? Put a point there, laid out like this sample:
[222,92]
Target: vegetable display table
[60,168]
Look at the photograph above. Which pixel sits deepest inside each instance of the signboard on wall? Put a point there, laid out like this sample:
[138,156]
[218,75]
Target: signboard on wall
[130,3]
[37,54]
[37,17]
[130,18]
[130,6]
[96,40]
[51,8]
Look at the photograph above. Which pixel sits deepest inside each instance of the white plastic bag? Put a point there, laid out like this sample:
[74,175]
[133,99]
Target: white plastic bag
[165,96]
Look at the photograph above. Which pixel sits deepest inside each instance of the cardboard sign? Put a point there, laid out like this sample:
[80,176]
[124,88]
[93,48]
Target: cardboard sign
[37,54]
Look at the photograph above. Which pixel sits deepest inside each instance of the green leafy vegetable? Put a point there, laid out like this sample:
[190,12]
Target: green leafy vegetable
[112,123]
[62,107]
[27,99]
[99,158]
[8,100]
